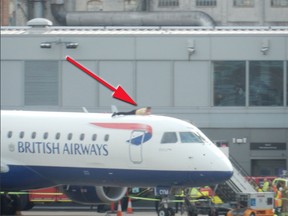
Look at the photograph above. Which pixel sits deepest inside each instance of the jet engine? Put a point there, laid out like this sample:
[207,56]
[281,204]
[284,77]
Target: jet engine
[93,194]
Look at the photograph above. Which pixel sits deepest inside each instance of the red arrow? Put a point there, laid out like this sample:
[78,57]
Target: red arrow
[118,92]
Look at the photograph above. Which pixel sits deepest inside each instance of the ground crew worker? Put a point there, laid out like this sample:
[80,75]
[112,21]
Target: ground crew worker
[265,186]
[284,200]
[277,200]
[179,196]
[257,188]
[194,193]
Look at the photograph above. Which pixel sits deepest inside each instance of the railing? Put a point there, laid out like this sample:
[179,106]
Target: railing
[240,179]
[160,29]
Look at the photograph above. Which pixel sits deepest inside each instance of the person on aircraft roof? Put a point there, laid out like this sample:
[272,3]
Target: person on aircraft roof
[141,111]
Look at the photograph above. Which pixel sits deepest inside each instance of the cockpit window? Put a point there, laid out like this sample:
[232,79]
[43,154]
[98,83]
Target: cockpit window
[169,137]
[191,137]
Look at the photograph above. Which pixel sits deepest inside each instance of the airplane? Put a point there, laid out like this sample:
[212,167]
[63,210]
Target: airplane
[43,149]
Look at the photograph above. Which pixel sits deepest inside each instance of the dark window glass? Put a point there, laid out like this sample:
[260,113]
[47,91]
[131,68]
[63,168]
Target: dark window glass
[229,83]
[69,137]
[206,3]
[266,83]
[190,137]
[82,136]
[279,3]
[243,3]
[21,134]
[106,138]
[94,137]
[45,136]
[57,136]
[168,3]
[169,137]
[9,135]
[33,135]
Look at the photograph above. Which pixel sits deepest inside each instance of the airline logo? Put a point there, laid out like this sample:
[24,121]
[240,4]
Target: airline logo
[137,140]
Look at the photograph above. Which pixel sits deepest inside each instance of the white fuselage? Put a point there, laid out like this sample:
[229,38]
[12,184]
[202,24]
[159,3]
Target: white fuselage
[53,148]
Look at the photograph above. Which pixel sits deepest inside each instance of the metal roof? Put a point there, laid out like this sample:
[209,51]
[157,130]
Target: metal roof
[141,30]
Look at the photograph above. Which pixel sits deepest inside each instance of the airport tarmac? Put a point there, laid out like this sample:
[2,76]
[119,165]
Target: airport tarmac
[86,211]
[89,213]
[82,213]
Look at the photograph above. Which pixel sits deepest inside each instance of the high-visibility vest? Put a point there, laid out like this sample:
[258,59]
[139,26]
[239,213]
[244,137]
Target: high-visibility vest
[194,192]
[278,199]
[265,186]
[180,193]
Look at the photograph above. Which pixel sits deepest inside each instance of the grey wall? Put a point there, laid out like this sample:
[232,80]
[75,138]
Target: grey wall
[156,70]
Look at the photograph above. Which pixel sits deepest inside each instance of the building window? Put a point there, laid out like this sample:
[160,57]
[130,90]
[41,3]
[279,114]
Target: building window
[41,83]
[168,3]
[243,3]
[279,3]
[206,3]
[229,83]
[266,83]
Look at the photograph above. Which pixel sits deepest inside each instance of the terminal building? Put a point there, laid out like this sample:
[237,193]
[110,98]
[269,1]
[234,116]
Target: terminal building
[230,81]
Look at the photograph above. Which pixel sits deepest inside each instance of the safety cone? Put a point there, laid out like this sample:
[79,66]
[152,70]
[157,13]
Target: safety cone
[129,208]
[112,207]
[119,210]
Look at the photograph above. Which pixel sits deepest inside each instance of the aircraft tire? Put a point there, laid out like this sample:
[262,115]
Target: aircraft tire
[7,206]
[171,212]
[213,212]
[192,211]
[24,202]
[166,212]
[163,212]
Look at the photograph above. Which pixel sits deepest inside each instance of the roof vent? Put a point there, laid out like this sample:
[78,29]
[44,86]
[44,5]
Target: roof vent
[39,22]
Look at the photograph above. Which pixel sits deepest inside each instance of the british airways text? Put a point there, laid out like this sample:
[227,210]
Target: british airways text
[67,148]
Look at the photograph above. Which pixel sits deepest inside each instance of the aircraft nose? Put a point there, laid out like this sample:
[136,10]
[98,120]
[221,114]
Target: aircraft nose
[225,167]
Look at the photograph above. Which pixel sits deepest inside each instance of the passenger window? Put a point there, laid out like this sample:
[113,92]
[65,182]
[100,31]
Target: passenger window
[94,137]
[69,137]
[21,134]
[190,137]
[33,135]
[45,135]
[9,135]
[169,137]
[82,136]
[57,136]
[106,138]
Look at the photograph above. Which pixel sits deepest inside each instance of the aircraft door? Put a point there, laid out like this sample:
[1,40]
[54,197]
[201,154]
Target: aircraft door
[135,146]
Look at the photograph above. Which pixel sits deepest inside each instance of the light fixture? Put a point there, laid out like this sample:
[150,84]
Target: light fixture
[191,47]
[71,45]
[265,46]
[68,45]
[46,45]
